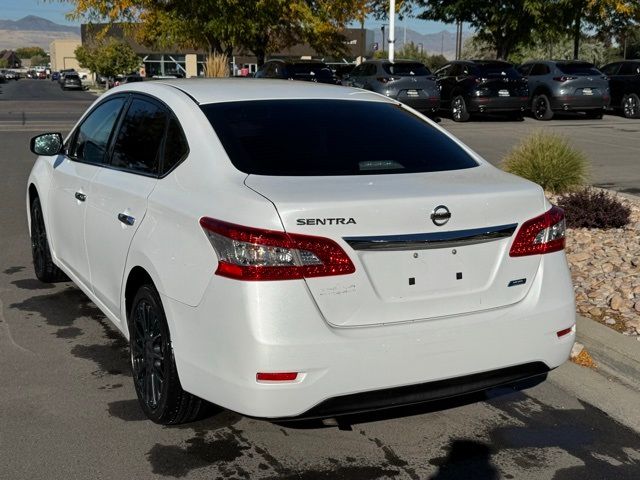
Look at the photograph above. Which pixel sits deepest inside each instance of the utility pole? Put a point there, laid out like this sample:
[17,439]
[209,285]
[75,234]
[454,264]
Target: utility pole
[442,44]
[382,28]
[392,28]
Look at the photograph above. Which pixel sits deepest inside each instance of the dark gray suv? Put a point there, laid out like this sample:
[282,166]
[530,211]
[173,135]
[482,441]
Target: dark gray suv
[565,86]
[407,81]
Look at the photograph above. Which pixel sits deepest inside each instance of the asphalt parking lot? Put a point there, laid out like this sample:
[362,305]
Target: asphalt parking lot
[68,408]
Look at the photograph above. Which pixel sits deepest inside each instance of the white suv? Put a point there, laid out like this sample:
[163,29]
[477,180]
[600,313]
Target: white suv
[288,249]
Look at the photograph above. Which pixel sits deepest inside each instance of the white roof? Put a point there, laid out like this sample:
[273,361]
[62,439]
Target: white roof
[214,90]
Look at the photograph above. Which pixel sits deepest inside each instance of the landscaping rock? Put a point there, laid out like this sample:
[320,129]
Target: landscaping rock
[605,268]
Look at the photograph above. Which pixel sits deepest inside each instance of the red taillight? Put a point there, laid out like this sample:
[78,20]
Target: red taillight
[276,376]
[543,234]
[564,78]
[246,253]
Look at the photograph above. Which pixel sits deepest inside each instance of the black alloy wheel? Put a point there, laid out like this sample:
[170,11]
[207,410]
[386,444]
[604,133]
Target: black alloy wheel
[541,108]
[155,375]
[631,106]
[148,353]
[459,111]
[44,268]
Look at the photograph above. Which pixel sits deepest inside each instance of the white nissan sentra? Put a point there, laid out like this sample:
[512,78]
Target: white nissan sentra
[288,249]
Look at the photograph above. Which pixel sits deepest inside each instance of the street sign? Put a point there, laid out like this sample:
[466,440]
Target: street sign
[375,46]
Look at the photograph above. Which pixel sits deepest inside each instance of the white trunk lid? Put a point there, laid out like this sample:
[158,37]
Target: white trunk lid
[378,219]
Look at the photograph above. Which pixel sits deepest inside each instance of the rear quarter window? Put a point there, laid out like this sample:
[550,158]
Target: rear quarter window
[331,137]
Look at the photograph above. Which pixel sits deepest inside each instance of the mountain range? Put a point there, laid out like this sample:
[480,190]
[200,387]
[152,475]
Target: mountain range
[37,31]
[33,31]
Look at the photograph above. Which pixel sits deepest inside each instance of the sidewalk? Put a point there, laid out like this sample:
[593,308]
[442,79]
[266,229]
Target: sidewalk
[614,386]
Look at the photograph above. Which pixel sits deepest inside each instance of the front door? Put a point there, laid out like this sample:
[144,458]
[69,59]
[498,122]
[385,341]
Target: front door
[71,185]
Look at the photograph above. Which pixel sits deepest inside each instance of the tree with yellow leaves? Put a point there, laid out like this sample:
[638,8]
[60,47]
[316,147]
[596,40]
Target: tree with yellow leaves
[220,26]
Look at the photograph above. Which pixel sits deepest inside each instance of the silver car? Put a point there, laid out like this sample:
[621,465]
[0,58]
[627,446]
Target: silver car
[566,86]
[407,81]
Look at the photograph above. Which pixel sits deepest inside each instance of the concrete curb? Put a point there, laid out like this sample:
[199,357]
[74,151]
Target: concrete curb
[617,355]
[614,386]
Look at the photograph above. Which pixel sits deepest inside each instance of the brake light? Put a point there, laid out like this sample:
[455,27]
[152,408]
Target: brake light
[543,234]
[387,79]
[246,253]
[564,78]
[276,376]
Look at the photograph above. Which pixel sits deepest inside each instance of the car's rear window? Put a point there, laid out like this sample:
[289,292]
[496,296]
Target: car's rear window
[578,69]
[493,70]
[331,137]
[406,69]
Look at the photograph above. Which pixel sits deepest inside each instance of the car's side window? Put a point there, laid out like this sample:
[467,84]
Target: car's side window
[524,69]
[91,140]
[539,69]
[137,144]
[628,69]
[443,72]
[357,71]
[175,147]
[610,69]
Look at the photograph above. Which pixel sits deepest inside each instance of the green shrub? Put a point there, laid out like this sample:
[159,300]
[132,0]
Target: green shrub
[548,160]
[589,208]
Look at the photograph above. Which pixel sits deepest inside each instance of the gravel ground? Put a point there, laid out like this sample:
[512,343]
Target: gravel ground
[605,266]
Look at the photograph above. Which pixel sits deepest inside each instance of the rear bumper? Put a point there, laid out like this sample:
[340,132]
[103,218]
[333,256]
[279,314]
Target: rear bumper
[579,103]
[422,103]
[498,104]
[425,392]
[242,328]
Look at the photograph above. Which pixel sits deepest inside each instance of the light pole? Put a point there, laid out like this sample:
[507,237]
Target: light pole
[383,42]
[421,47]
[392,29]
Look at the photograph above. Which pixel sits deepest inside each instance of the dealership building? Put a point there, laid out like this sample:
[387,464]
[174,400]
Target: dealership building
[190,62]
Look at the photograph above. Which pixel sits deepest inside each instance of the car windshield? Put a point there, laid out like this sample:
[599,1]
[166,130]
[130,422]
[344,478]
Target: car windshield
[493,70]
[331,137]
[578,69]
[406,69]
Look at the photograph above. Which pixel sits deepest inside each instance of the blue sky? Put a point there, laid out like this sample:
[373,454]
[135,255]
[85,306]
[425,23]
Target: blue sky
[55,11]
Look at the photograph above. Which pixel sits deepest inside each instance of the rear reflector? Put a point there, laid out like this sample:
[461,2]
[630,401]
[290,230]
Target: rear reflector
[564,332]
[247,253]
[276,377]
[543,234]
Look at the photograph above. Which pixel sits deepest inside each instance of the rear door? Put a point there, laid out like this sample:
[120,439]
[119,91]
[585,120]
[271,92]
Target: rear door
[119,195]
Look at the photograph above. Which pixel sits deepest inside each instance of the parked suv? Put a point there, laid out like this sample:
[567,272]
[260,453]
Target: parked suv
[306,70]
[407,81]
[71,81]
[565,86]
[624,86]
[481,86]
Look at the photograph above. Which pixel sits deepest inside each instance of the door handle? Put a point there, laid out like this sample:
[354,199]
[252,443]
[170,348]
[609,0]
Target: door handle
[81,196]
[126,219]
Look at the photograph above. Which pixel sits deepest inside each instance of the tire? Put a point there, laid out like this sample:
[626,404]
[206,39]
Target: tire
[46,271]
[459,111]
[153,367]
[541,108]
[631,106]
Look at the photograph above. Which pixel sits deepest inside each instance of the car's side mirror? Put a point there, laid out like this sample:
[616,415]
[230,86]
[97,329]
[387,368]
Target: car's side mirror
[47,144]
